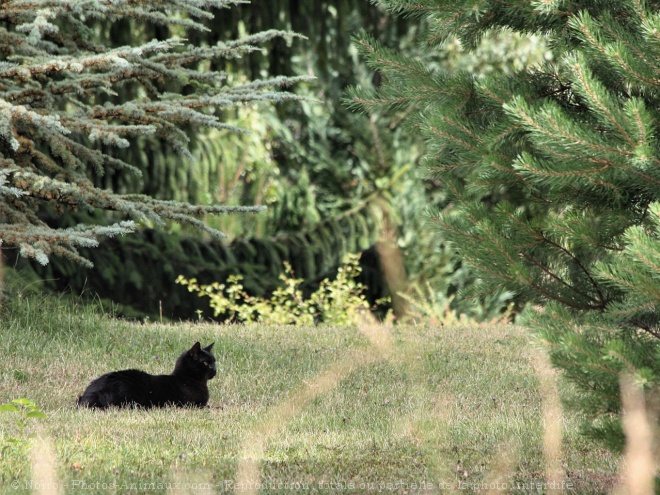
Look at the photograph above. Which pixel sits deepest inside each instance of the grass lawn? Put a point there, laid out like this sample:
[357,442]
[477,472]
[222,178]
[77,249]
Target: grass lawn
[450,409]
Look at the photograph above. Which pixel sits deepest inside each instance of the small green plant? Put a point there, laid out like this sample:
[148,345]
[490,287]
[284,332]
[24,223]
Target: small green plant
[336,302]
[25,409]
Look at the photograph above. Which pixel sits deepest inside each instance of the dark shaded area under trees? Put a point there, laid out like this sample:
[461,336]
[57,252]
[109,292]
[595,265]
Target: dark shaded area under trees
[134,275]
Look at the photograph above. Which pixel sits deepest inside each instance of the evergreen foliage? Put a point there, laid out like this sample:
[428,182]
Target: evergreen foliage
[64,110]
[552,175]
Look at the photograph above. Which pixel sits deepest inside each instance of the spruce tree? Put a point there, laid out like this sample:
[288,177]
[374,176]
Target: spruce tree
[64,110]
[553,176]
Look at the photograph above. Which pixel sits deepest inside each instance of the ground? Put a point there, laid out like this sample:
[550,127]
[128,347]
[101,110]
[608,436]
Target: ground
[461,408]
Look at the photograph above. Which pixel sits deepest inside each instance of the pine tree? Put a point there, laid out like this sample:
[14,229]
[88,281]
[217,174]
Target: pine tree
[553,175]
[61,115]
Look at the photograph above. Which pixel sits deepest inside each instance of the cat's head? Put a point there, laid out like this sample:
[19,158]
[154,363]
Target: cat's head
[197,362]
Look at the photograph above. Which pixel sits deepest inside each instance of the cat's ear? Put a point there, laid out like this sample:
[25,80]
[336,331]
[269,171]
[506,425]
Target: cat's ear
[209,347]
[195,348]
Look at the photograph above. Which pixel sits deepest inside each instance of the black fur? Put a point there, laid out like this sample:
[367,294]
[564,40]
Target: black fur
[186,386]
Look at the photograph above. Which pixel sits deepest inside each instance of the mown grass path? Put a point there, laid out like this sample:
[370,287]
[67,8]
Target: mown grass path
[460,409]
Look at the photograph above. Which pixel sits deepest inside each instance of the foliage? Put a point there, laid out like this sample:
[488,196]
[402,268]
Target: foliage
[25,410]
[330,159]
[552,173]
[134,275]
[310,162]
[430,305]
[337,302]
[318,167]
[500,51]
[307,160]
[62,113]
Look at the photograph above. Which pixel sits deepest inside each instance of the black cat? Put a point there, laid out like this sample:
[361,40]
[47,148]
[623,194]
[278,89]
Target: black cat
[186,386]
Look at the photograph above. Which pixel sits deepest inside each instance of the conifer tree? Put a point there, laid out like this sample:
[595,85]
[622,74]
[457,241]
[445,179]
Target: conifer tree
[61,115]
[553,175]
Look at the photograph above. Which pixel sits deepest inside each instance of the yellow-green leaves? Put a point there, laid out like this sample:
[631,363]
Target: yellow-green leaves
[336,302]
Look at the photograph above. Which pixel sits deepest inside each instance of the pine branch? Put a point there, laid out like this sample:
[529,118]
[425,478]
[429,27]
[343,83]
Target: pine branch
[62,116]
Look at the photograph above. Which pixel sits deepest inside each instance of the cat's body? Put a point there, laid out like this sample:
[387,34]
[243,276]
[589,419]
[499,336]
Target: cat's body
[186,386]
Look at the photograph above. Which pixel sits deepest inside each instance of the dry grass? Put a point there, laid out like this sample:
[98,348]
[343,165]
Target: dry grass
[426,409]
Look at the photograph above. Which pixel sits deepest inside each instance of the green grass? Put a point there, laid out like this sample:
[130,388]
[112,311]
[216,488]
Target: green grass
[322,410]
